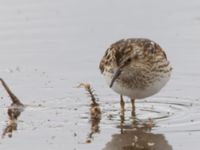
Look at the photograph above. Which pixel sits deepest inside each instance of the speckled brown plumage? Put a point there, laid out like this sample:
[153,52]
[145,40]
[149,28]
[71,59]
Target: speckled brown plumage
[142,49]
[139,64]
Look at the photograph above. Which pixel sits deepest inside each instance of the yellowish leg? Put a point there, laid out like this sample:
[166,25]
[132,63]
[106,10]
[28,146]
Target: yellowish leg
[134,121]
[122,104]
[133,108]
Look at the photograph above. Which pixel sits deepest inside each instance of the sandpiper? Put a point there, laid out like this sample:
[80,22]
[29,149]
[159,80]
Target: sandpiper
[135,67]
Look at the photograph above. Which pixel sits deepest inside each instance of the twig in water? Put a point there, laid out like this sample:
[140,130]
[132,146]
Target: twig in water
[95,111]
[90,92]
[14,111]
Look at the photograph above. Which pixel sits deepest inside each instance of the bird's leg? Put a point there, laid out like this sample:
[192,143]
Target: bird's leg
[122,104]
[133,114]
[122,112]
[122,123]
[133,108]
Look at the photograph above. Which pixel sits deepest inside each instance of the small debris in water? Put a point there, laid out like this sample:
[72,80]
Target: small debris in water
[18,69]
[110,116]
[90,92]
[95,112]
[39,105]
[149,123]
[14,112]
[150,144]
[88,141]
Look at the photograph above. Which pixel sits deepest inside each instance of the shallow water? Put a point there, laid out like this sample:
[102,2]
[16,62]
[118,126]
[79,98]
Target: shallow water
[48,48]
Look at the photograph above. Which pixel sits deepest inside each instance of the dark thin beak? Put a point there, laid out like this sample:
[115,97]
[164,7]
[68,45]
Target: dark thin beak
[115,76]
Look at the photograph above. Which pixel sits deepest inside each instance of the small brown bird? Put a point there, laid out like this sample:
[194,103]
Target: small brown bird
[135,67]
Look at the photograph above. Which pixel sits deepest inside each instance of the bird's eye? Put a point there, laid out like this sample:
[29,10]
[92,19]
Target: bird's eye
[128,60]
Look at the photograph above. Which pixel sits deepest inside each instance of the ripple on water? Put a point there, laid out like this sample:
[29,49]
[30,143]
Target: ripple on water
[170,114]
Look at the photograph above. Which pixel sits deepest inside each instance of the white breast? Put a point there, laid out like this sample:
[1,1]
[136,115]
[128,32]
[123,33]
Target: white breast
[137,93]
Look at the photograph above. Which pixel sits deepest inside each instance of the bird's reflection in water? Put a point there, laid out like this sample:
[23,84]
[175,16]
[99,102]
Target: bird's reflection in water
[14,111]
[137,136]
[137,139]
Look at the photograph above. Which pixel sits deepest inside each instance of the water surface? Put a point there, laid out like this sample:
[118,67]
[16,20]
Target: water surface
[49,47]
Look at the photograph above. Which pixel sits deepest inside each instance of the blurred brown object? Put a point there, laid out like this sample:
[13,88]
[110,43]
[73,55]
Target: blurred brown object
[95,112]
[14,111]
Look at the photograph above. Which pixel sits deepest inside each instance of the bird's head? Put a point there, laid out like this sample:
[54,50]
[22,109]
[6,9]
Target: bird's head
[121,67]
